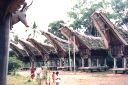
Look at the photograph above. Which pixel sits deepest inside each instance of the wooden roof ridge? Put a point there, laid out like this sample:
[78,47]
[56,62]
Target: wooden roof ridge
[18,51]
[91,41]
[68,33]
[58,39]
[31,50]
[54,41]
[81,39]
[44,49]
[113,29]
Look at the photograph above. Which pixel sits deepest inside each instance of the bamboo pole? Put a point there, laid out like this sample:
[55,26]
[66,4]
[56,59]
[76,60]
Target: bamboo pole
[74,54]
[70,68]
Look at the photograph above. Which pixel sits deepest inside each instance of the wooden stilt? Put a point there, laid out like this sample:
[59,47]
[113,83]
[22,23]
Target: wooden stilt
[82,62]
[89,62]
[105,62]
[60,62]
[124,59]
[115,66]
[97,61]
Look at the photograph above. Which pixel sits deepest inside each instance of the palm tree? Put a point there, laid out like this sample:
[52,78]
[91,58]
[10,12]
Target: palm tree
[34,30]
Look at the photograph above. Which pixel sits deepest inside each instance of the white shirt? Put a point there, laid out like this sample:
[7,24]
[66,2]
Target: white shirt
[57,78]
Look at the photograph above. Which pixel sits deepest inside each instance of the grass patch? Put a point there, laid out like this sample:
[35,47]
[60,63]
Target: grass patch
[20,80]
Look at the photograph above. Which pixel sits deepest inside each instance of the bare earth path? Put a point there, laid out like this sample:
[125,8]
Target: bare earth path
[83,78]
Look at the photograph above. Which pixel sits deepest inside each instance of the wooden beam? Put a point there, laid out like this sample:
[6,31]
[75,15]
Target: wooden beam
[4,50]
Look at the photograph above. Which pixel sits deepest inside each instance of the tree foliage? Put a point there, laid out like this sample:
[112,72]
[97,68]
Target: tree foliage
[79,15]
[80,12]
[33,30]
[54,28]
[121,8]
[13,64]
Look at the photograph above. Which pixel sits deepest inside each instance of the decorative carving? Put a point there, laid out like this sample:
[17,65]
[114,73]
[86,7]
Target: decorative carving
[20,15]
[9,6]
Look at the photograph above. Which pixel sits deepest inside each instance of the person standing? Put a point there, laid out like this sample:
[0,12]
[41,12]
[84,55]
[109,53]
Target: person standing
[53,77]
[57,78]
[33,72]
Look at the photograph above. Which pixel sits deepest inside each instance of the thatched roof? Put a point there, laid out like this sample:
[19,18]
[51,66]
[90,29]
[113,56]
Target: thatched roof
[20,52]
[83,41]
[91,42]
[113,35]
[58,43]
[29,48]
[123,33]
[43,48]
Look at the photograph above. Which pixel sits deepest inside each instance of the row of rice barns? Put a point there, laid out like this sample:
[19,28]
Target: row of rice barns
[78,52]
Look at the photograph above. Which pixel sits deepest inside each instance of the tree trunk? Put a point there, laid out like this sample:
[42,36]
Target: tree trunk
[4,50]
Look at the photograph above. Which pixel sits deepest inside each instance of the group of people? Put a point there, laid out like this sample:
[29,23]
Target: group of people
[44,77]
[56,78]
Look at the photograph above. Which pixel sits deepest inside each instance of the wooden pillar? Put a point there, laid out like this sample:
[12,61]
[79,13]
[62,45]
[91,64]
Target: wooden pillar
[124,59]
[71,60]
[82,62]
[69,54]
[89,62]
[54,63]
[115,66]
[74,56]
[4,49]
[66,62]
[97,62]
[60,62]
[48,63]
[105,62]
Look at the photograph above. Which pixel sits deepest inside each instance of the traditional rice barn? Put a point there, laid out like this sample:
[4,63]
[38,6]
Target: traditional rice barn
[61,47]
[33,52]
[115,38]
[47,51]
[20,53]
[91,49]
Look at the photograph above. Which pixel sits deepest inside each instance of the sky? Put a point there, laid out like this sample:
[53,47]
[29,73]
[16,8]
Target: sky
[43,12]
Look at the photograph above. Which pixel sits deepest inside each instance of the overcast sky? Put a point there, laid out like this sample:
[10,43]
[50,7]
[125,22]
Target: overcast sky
[43,12]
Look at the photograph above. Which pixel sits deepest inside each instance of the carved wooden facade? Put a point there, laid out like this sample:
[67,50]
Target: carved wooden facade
[89,46]
[116,38]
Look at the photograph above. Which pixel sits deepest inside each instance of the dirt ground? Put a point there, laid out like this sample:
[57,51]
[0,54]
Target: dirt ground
[84,78]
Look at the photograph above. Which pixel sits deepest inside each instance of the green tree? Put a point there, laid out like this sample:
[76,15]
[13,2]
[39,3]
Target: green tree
[54,28]
[15,37]
[14,64]
[120,7]
[80,13]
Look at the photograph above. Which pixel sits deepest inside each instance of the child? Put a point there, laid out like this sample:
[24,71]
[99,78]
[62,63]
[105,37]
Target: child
[57,78]
[53,77]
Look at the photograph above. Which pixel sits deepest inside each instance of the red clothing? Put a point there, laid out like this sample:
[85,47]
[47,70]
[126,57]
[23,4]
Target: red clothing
[33,72]
[53,77]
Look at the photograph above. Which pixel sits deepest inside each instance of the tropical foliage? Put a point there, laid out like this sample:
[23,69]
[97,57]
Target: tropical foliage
[14,64]
[54,28]
[82,10]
